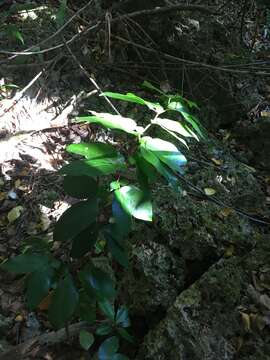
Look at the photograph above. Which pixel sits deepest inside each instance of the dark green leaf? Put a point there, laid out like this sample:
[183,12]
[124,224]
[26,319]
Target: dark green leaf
[26,263]
[146,172]
[86,339]
[107,308]
[61,13]
[129,97]
[112,122]
[37,286]
[119,357]
[148,85]
[87,307]
[117,251]
[84,241]
[122,317]
[94,168]
[125,335]
[160,167]
[122,224]
[99,281]
[64,303]
[75,219]
[108,348]
[104,329]
[135,202]
[92,151]
[80,187]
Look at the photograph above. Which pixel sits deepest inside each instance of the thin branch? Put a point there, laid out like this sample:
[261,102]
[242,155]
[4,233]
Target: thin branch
[190,62]
[90,78]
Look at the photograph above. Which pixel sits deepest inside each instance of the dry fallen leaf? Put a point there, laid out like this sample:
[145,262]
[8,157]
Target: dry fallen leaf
[225,212]
[209,191]
[245,321]
[14,214]
[217,161]
[45,303]
[229,251]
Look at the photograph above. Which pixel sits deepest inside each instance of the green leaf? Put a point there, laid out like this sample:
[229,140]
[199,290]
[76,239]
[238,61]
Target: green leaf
[86,339]
[14,32]
[129,97]
[117,251]
[99,281]
[165,152]
[122,317]
[107,309]
[80,187]
[37,286]
[84,241]
[119,357]
[125,334]
[104,329]
[135,202]
[146,172]
[94,168]
[122,224]
[148,85]
[112,122]
[87,307]
[108,348]
[92,151]
[174,126]
[160,167]
[75,219]
[61,13]
[192,120]
[64,303]
[26,263]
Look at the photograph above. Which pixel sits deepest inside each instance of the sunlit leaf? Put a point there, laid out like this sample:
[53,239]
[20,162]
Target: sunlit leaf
[135,202]
[92,151]
[111,121]
[93,168]
[174,126]
[64,303]
[165,152]
[129,97]
[159,165]
[75,219]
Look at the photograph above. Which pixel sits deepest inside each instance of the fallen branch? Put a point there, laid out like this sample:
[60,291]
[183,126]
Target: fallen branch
[19,351]
[167,9]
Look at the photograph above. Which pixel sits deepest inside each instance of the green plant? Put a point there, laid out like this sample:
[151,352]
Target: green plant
[113,189]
